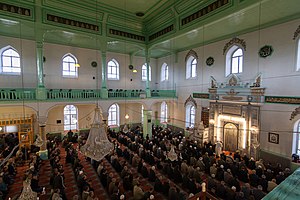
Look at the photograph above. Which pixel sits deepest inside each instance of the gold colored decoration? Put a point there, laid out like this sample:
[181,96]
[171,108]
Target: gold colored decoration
[191,100]
[295,113]
[201,95]
[191,53]
[283,100]
[297,32]
[234,41]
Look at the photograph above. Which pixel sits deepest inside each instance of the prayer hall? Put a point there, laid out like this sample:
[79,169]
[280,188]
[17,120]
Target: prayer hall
[149,99]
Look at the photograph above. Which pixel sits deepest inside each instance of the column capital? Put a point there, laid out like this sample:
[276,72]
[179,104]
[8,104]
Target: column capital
[39,44]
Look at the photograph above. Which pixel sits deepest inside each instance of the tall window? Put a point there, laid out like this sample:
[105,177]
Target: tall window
[164,72]
[144,73]
[234,60]
[163,112]
[113,115]
[298,56]
[142,114]
[296,139]
[190,112]
[69,66]
[113,70]
[70,117]
[191,67]
[10,60]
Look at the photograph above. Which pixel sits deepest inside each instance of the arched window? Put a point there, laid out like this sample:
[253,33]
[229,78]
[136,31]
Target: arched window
[190,113]
[10,61]
[69,66]
[70,117]
[296,138]
[142,114]
[234,60]
[113,70]
[164,112]
[113,115]
[191,67]
[144,72]
[298,56]
[164,72]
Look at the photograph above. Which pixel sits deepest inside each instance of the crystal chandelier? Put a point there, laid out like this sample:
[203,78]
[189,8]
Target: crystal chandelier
[172,154]
[39,141]
[97,145]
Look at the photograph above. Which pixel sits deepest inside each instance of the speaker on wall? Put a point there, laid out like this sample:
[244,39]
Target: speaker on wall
[94,64]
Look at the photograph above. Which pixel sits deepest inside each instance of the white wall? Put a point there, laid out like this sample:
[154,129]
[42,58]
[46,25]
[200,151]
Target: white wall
[26,50]
[278,77]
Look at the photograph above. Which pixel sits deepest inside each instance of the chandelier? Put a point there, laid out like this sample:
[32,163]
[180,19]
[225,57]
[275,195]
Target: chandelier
[172,154]
[97,145]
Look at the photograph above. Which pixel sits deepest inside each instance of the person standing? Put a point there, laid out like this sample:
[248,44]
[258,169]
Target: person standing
[219,147]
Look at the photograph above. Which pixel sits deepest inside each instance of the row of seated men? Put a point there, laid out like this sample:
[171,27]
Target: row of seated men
[229,177]
[12,156]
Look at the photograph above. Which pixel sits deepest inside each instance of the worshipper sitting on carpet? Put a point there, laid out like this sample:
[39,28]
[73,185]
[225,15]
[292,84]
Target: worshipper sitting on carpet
[138,193]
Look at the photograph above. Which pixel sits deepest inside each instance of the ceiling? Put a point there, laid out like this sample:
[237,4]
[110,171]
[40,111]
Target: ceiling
[164,21]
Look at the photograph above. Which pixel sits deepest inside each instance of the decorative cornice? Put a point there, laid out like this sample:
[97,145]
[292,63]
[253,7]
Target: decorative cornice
[282,100]
[233,41]
[190,100]
[201,95]
[204,11]
[126,34]
[15,9]
[161,32]
[71,22]
[191,53]
[295,113]
[297,32]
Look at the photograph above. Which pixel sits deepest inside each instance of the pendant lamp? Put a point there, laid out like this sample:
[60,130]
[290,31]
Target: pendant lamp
[97,145]
[172,154]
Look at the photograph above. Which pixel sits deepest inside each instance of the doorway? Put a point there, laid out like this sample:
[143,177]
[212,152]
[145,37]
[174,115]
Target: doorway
[230,136]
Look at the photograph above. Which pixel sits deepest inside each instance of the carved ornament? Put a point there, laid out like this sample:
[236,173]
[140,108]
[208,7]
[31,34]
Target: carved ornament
[233,41]
[191,53]
[190,100]
[297,32]
[295,113]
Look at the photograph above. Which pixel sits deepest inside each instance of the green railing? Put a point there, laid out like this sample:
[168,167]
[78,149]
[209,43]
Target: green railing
[8,94]
[163,93]
[120,93]
[65,94]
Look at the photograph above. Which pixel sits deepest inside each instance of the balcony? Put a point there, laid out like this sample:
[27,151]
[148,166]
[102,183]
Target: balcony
[55,95]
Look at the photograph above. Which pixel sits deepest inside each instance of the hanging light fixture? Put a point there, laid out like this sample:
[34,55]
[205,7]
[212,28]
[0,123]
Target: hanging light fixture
[172,154]
[126,116]
[97,145]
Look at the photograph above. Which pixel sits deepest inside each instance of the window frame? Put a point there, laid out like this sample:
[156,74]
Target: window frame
[11,59]
[116,115]
[71,108]
[298,55]
[188,120]
[144,72]
[163,112]
[228,60]
[191,68]
[67,73]
[297,138]
[164,72]
[110,75]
